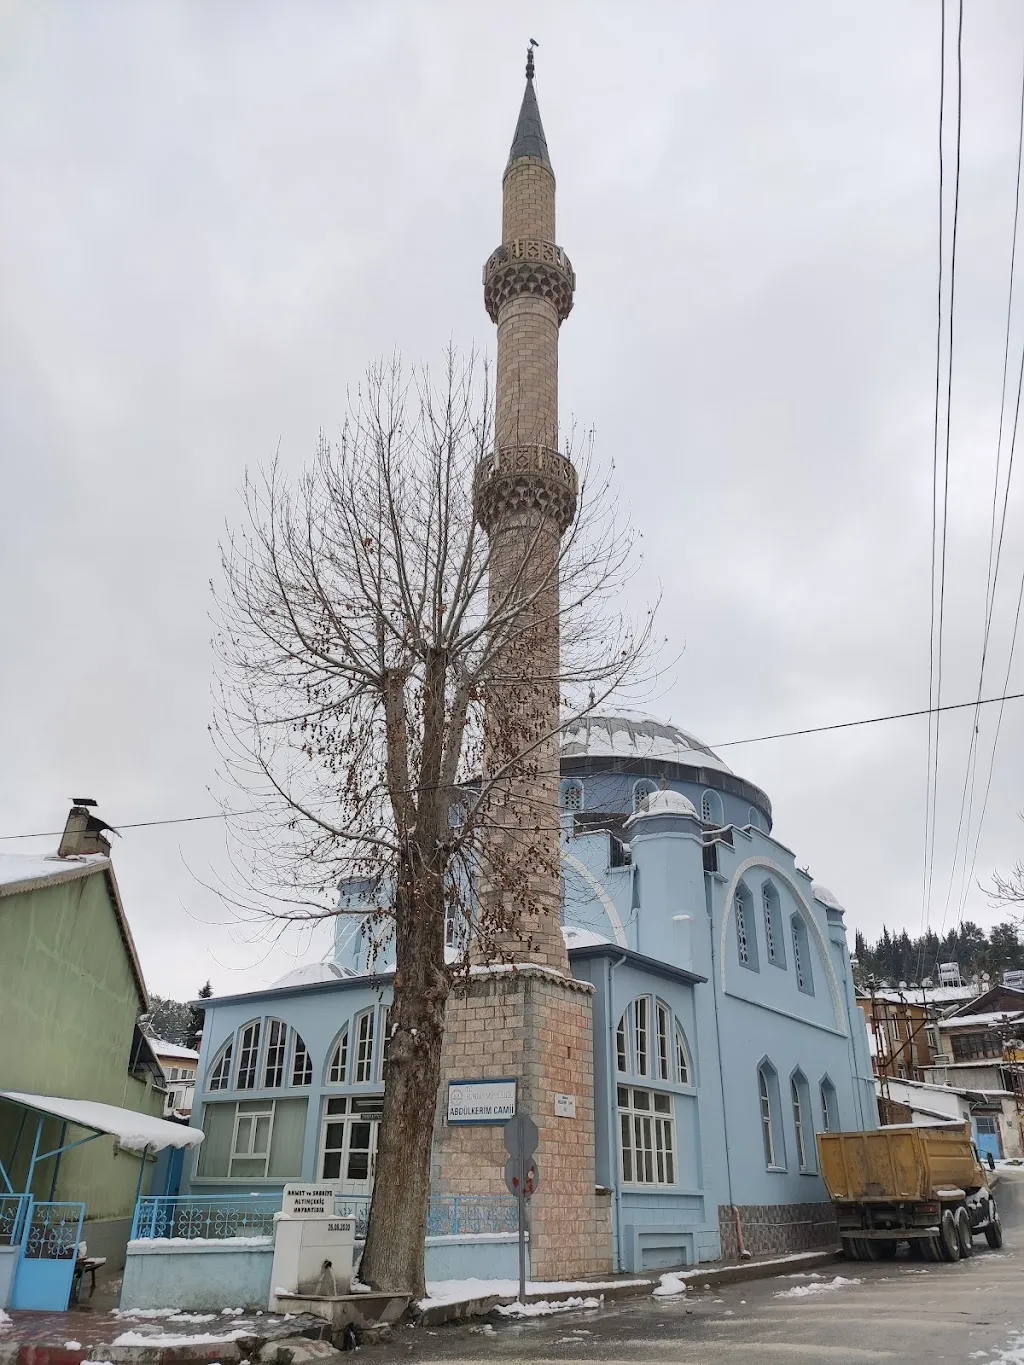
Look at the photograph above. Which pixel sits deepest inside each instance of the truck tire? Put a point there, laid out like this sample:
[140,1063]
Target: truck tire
[964,1232]
[870,1249]
[994,1231]
[887,1250]
[930,1248]
[851,1249]
[949,1238]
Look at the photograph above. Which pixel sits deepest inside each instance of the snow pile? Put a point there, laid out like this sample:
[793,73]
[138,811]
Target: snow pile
[801,1291]
[1012,1353]
[668,1286]
[543,1307]
[464,1291]
[156,1242]
[72,1346]
[169,1338]
[4,1319]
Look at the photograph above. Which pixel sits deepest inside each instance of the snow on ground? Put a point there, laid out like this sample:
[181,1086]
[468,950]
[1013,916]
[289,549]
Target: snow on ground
[463,1291]
[170,1339]
[1011,1354]
[801,1291]
[4,1319]
[667,1286]
[543,1307]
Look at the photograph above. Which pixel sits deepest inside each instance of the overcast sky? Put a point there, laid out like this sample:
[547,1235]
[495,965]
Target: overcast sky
[213,216]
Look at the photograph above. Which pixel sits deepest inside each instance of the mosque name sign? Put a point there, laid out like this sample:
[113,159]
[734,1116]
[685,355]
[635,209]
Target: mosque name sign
[481,1101]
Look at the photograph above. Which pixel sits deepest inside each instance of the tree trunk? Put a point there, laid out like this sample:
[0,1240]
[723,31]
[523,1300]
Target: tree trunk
[393,1259]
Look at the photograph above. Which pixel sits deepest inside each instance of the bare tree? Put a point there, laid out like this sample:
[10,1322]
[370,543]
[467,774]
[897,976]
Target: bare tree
[357,648]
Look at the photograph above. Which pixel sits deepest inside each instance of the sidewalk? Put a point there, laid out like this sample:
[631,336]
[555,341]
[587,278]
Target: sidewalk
[146,1336]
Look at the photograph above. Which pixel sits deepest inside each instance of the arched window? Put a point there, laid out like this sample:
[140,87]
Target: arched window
[829,1106]
[273,1061]
[220,1071]
[572,794]
[684,1070]
[803,1126]
[248,1056]
[663,1058]
[774,939]
[768,1098]
[802,955]
[337,1066]
[746,935]
[642,789]
[711,808]
[754,817]
[302,1063]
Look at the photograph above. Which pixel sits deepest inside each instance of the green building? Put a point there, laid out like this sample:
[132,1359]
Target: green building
[71,992]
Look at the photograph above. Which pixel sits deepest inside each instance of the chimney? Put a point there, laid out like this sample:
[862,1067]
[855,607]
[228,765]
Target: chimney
[83,832]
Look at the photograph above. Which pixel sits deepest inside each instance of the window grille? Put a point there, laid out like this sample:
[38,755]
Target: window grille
[248,1054]
[273,1065]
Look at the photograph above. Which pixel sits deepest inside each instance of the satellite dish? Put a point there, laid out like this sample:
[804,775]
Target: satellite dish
[913,985]
[927,981]
[903,985]
[985,976]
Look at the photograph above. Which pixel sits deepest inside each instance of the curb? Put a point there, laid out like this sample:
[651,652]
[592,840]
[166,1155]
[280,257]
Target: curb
[712,1274]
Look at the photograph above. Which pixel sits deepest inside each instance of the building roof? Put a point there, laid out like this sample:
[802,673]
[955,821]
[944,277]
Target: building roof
[635,734]
[984,1020]
[529,139]
[311,974]
[21,872]
[988,997]
[638,960]
[160,1048]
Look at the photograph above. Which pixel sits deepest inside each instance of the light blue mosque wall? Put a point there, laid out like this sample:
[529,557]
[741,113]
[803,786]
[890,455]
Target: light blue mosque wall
[661,926]
[317,1014]
[615,793]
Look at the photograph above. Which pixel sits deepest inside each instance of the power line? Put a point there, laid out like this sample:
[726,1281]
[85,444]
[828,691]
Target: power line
[995,554]
[725,744]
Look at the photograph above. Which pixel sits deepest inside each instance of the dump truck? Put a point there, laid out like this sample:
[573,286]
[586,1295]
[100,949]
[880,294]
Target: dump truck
[906,1183]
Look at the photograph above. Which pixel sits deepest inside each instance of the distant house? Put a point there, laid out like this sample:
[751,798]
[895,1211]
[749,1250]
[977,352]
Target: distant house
[901,1033]
[71,991]
[179,1067]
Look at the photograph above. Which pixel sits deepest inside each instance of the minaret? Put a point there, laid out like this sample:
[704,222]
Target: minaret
[525,499]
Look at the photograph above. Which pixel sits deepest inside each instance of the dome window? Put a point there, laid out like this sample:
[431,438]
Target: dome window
[572,795]
[643,789]
[711,808]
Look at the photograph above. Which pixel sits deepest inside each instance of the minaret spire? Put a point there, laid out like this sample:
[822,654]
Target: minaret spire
[529,139]
[525,499]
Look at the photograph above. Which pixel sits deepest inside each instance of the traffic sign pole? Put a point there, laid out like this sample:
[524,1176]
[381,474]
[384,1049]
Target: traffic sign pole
[521,1137]
[522,1226]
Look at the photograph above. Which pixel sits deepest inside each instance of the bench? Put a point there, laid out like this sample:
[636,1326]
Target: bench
[86,1265]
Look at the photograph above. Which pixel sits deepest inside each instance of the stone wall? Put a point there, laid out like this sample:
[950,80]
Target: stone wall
[535,1025]
[778,1228]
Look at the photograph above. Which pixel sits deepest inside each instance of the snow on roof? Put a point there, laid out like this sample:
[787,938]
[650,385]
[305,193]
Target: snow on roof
[635,734]
[581,938]
[311,974]
[824,896]
[664,803]
[928,995]
[981,1020]
[163,1049]
[20,871]
[132,1130]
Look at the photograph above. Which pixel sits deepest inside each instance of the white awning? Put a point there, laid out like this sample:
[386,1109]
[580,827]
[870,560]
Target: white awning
[132,1129]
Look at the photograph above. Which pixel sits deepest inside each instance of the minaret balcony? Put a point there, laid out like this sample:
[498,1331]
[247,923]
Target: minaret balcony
[529,266]
[525,479]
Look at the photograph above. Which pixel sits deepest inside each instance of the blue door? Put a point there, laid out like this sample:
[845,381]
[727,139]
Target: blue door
[986,1135]
[49,1250]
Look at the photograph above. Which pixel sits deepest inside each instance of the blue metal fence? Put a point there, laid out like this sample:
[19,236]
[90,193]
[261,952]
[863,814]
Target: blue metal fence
[13,1212]
[217,1216]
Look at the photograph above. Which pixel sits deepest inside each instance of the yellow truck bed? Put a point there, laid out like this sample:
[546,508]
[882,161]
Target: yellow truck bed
[900,1162]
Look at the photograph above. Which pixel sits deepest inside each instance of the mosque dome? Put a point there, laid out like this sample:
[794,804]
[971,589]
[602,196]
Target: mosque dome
[824,896]
[637,735]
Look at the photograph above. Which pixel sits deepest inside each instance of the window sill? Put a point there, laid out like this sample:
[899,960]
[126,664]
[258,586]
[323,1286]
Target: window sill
[777,1170]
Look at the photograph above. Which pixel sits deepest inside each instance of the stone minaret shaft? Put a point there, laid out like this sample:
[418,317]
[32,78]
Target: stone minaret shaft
[525,499]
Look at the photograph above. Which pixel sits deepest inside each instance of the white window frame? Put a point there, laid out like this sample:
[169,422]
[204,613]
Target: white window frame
[249,1038]
[684,1062]
[799,1120]
[347,1116]
[363,1029]
[642,1036]
[829,1106]
[301,1070]
[275,1055]
[764,1089]
[663,1055]
[648,1154]
[338,1054]
[251,1115]
[220,1071]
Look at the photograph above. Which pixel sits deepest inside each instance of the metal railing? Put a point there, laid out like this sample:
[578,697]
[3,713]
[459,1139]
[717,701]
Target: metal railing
[13,1213]
[215,1217]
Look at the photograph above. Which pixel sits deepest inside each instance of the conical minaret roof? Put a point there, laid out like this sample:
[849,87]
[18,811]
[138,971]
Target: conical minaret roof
[529,139]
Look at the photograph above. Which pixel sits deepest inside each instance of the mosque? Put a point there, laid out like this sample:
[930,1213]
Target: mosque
[684,1021]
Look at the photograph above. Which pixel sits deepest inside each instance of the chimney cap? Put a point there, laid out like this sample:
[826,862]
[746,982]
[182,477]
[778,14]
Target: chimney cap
[82,801]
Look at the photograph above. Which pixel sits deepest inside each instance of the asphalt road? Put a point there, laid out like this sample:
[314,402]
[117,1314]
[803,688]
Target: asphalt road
[893,1311]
